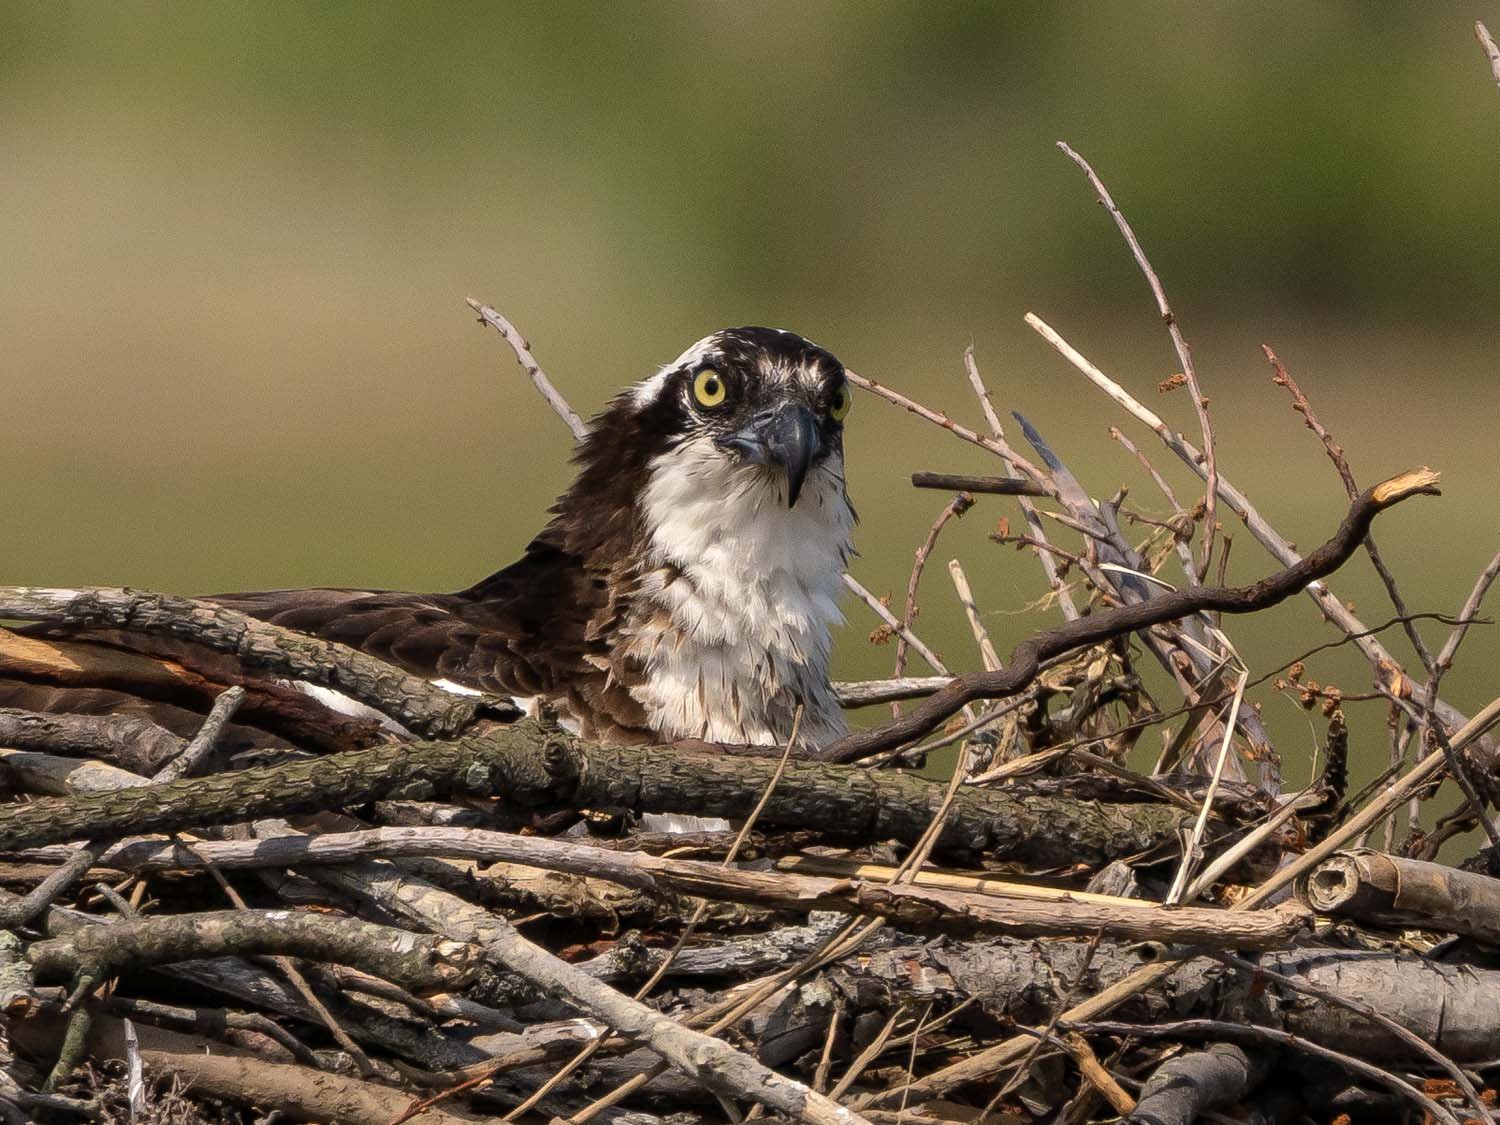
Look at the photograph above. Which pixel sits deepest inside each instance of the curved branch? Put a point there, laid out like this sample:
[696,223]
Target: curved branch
[1026,658]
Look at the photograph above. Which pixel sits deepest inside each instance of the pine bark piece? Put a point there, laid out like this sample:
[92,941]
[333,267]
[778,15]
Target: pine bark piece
[1390,890]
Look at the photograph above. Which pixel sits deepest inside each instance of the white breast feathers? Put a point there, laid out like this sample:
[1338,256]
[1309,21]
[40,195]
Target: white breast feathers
[737,598]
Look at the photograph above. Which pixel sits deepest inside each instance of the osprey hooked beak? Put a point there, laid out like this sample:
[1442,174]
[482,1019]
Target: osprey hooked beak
[788,436]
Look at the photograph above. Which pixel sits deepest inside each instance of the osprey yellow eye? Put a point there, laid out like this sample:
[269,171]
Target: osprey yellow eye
[838,406]
[709,388]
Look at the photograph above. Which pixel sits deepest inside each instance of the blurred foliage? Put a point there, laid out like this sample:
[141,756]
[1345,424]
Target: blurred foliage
[236,238]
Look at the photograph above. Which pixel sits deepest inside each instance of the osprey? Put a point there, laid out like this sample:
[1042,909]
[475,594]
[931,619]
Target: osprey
[687,583]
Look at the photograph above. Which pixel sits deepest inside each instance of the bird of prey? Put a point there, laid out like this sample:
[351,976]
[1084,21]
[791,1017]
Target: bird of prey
[688,580]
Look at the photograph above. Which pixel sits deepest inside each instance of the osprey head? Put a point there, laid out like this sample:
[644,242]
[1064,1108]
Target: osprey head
[764,400]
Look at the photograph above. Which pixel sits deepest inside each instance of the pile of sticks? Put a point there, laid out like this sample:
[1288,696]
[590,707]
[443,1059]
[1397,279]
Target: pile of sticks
[227,902]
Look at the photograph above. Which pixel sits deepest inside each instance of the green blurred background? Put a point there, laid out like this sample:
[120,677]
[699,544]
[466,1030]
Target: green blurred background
[235,240]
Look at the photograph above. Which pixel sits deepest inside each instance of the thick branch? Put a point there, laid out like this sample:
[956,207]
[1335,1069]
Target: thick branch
[529,766]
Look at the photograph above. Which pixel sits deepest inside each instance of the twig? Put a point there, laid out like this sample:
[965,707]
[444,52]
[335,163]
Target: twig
[1192,849]
[1249,842]
[1093,1072]
[532,368]
[953,510]
[1466,616]
[885,615]
[18,912]
[987,654]
[865,1057]
[208,735]
[1184,353]
[414,960]
[863,693]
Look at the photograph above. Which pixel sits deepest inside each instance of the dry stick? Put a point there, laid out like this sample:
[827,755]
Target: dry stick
[1184,353]
[954,509]
[18,911]
[682,939]
[987,1061]
[825,1060]
[1466,616]
[1415,1042]
[1194,845]
[1249,842]
[532,368]
[203,742]
[1094,1073]
[994,486]
[863,693]
[1179,543]
[1025,660]
[1491,52]
[917,752]
[1335,452]
[1221,1029]
[881,611]
[868,1055]
[916,1035]
[1028,509]
[1280,549]
[987,654]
